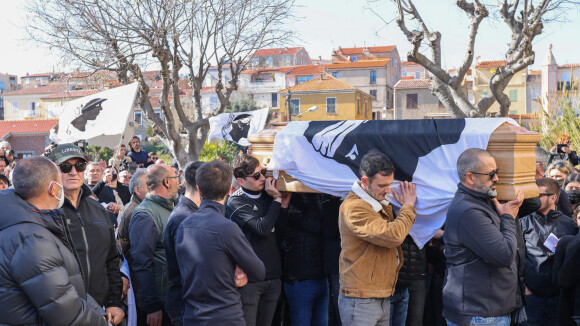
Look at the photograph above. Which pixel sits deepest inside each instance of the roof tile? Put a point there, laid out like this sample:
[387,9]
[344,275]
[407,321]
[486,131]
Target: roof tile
[47,89]
[276,51]
[72,94]
[25,126]
[372,49]
[323,83]
[359,64]
[491,64]
[570,65]
[413,83]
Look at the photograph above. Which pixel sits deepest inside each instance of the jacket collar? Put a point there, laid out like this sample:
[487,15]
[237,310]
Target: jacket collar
[162,201]
[375,204]
[135,199]
[478,195]
[212,205]
[188,203]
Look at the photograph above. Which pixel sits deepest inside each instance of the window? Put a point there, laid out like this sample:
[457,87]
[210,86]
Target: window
[469,85]
[373,76]
[335,74]
[514,95]
[357,106]
[27,81]
[138,118]
[294,106]
[412,101]
[484,94]
[32,106]
[417,75]
[288,59]
[405,74]
[274,100]
[303,79]
[269,61]
[373,93]
[1,85]
[354,58]
[331,105]
[366,108]
[14,106]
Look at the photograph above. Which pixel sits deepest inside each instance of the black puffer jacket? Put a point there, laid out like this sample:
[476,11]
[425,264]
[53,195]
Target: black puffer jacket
[94,242]
[40,279]
[300,238]
[414,265]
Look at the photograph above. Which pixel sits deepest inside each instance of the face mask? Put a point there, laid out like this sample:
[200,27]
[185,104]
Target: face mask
[573,196]
[61,199]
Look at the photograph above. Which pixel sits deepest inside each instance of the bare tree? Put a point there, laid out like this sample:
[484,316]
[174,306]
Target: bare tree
[181,37]
[525,19]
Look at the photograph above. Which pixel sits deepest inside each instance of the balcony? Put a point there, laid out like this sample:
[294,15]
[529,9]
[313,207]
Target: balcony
[30,113]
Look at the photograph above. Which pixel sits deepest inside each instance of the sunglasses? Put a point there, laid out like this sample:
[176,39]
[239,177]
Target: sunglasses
[491,174]
[546,194]
[67,167]
[257,175]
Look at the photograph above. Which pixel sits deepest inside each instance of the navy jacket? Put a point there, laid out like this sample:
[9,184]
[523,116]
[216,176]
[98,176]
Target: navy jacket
[209,290]
[174,301]
[480,247]
[540,260]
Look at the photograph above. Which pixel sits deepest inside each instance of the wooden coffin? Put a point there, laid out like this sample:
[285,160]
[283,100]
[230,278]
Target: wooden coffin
[514,149]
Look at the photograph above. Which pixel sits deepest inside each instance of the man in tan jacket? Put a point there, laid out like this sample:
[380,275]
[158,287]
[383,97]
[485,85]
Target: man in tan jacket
[371,242]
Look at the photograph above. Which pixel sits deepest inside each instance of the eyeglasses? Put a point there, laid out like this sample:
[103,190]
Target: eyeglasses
[257,175]
[560,164]
[491,174]
[546,194]
[174,177]
[67,167]
[153,158]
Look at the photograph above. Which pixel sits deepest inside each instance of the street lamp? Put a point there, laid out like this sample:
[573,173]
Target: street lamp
[312,109]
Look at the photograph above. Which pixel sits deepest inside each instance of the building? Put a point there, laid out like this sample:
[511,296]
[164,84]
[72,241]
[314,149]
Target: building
[280,57]
[415,70]
[27,104]
[325,98]
[516,88]
[27,138]
[557,79]
[413,100]
[534,91]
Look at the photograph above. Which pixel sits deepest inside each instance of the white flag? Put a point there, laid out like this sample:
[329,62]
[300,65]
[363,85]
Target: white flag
[101,118]
[237,126]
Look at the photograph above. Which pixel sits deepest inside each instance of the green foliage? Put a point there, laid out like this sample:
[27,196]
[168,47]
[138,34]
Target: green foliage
[150,131]
[242,105]
[561,120]
[212,150]
[96,153]
[161,150]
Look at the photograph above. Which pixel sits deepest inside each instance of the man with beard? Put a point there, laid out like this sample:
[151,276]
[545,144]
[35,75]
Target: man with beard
[146,230]
[139,155]
[480,246]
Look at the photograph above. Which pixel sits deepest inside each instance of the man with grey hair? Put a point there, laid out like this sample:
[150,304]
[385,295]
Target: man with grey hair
[147,251]
[480,246]
[41,279]
[93,173]
[138,190]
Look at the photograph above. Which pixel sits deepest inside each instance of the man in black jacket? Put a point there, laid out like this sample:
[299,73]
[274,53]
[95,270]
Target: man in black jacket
[92,232]
[255,207]
[541,292]
[480,246]
[209,290]
[41,279]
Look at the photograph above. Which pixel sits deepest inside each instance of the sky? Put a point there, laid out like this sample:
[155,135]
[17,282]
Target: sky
[324,25]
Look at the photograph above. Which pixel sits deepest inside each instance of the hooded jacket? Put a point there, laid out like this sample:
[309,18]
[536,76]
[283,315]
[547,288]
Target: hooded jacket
[93,239]
[40,277]
[536,228]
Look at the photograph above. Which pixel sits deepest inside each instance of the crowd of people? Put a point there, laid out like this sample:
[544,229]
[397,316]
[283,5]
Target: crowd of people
[134,241]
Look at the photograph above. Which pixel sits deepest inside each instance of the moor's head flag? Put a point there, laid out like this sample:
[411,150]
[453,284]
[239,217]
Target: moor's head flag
[237,126]
[100,118]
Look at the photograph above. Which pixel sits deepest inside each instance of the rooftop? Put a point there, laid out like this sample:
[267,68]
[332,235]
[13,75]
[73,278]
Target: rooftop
[372,49]
[26,126]
[323,83]
[70,94]
[41,75]
[307,70]
[491,64]
[40,90]
[276,51]
[359,64]
[570,65]
[413,83]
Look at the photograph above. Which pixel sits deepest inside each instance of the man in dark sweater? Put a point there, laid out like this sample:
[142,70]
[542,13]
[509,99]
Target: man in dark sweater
[209,290]
[255,207]
[138,155]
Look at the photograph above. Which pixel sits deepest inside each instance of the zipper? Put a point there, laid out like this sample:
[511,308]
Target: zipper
[86,251]
[71,245]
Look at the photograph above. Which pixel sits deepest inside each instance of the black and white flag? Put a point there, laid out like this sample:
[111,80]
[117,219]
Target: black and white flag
[237,126]
[325,156]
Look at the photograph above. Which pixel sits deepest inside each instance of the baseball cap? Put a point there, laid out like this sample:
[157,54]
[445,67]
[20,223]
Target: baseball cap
[65,152]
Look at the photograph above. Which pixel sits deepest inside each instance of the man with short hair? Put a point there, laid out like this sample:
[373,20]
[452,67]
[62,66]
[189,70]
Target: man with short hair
[2,166]
[91,231]
[41,279]
[188,204]
[541,292]
[146,230]
[255,207]
[480,246]
[125,177]
[93,173]
[137,154]
[4,182]
[209,290]
[138,189]
[371,238]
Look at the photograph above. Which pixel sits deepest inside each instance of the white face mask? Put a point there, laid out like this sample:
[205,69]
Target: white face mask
[61,199]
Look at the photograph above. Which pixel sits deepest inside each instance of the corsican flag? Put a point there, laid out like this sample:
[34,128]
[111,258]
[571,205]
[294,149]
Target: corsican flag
[100,118]
[237,126]
[325,156]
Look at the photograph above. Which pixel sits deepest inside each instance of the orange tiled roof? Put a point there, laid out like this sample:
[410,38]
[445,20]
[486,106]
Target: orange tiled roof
[47,89]
[412,83]
[155,100]
[41,75]
[372,49]
[263,52]
[323,83]
[570,65]
[26,126]
[307,70]
[535,72]
[491,64]
[407,77]
[259,70]
[75,94]
[359,64]
[409,63]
